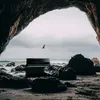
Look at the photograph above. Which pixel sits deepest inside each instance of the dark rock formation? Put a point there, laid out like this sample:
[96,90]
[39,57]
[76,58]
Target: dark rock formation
[9,81]
[97,67]
[15,15]
[61,72]
[68,74]
[82,65]
[3,69]
[13,70]
[47,85]
[53,70]
[10,64]
[19,68]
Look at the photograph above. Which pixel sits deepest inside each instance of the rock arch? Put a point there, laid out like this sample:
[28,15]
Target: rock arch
[15,15]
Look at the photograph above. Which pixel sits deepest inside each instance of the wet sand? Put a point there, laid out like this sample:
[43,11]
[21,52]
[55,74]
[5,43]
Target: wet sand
[87,88]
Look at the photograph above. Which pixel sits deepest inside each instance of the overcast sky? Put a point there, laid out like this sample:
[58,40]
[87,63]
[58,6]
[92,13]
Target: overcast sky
[64,32]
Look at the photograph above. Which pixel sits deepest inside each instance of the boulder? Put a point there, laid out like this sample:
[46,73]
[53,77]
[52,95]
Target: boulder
[82,65]
[3,69]
[9,81]
[20,68]
[47,85]
[53,70]
[13,70]
[10,64]
[68,74]
[97,67]
[2,72]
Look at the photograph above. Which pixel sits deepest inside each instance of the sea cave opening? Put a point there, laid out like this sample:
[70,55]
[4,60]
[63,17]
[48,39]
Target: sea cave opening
[57,35]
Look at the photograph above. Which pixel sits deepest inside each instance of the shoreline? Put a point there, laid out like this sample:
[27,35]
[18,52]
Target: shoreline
[87,88]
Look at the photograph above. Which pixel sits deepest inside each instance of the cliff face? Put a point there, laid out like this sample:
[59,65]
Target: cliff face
[15,15]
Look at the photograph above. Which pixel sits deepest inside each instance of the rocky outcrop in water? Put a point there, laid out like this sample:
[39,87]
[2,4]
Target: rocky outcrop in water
[19,68]
[97,67]
[52,70]
[3,69]
[60,72]
[82,65]
[9,81]
[15,15]
[11,64]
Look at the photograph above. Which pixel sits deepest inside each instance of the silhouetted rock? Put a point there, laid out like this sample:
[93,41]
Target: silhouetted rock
[47,85]
[61,72]
[9,81]
[82,65]
[13,70]
[2,72]
[19,68]
[68,74]
[97,67]
[10,64]
[3,69]
[53,70]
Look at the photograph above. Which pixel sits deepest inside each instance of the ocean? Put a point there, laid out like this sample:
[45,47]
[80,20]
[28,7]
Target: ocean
[19,62]
[3,64]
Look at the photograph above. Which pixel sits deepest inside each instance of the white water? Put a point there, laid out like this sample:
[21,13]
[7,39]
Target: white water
[19,62]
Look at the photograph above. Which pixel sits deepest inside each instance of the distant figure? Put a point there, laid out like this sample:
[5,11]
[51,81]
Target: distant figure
[43,47]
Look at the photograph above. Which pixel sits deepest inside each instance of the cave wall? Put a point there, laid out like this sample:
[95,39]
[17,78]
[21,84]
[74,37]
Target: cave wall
[15,15]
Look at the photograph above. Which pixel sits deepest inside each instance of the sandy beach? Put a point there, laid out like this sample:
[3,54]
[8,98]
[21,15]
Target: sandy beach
[87,88]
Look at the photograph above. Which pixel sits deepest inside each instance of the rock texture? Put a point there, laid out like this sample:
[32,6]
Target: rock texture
[9,81]
[68,74]
[97,67]
[47,85]
[82,65]
[15,15]
[11,64]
